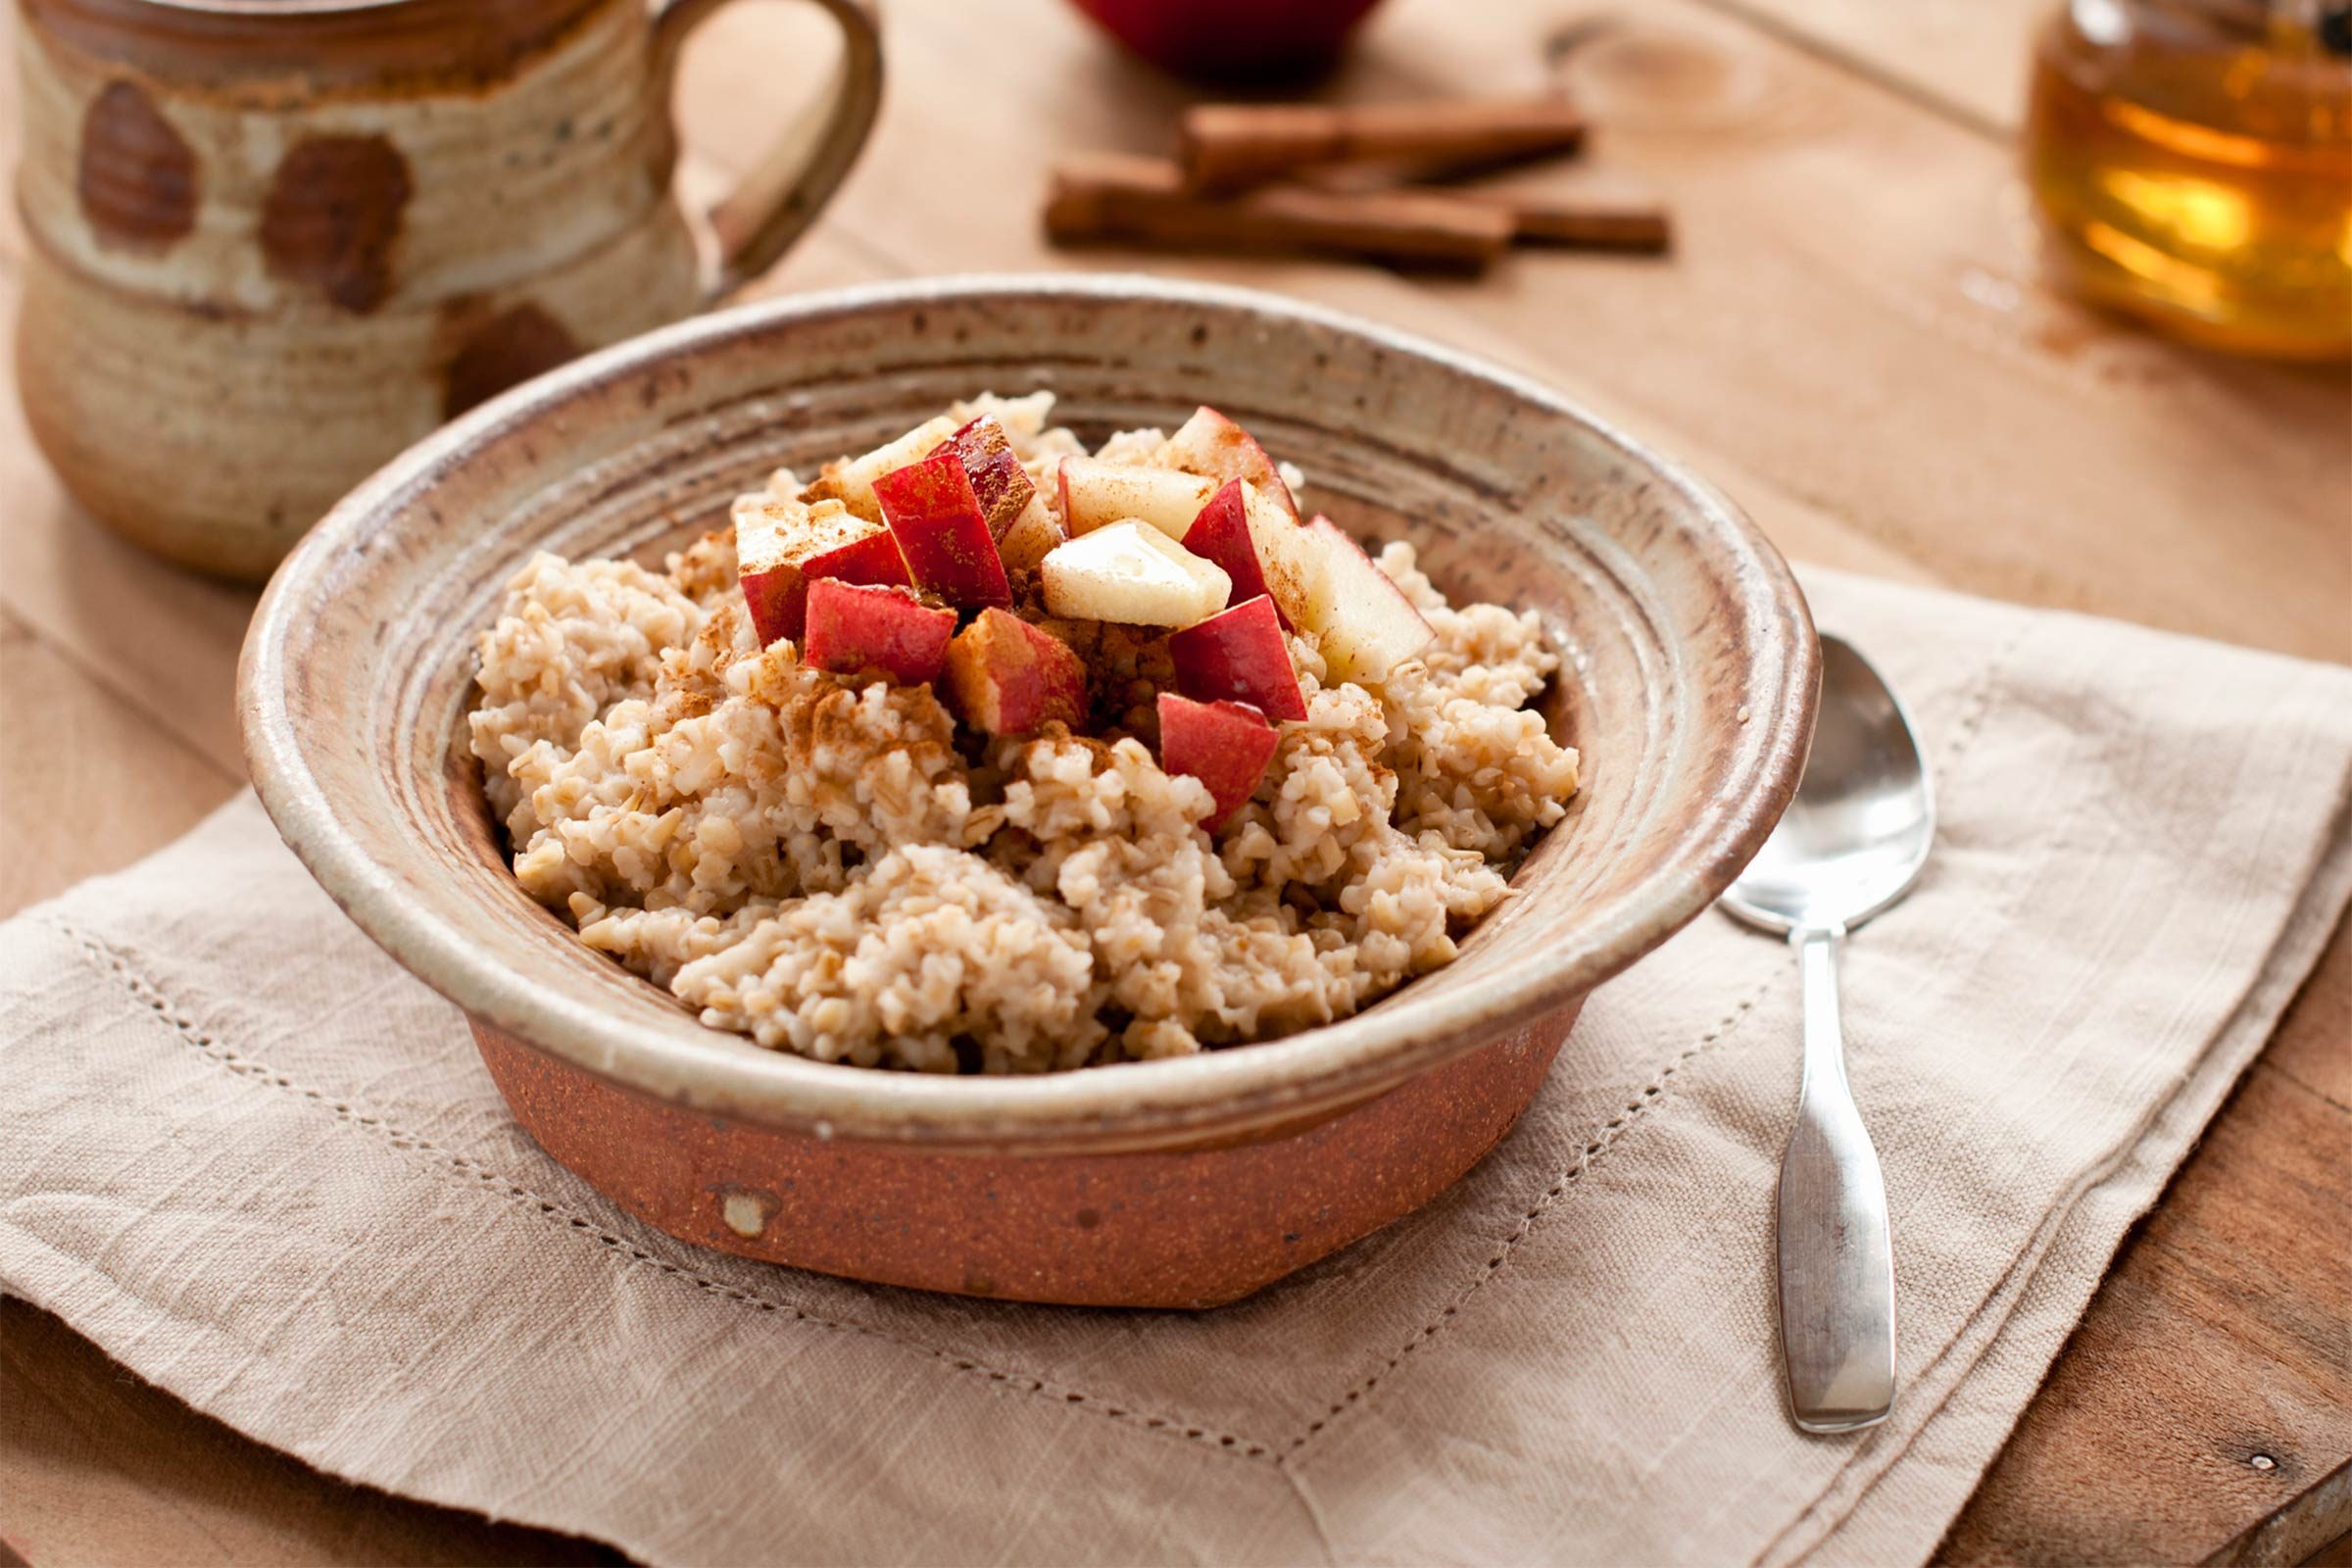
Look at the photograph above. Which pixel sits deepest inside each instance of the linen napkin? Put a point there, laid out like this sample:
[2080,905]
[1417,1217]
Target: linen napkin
[261,1166]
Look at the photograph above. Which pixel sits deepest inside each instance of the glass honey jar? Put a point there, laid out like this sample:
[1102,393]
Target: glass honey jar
[2191,162]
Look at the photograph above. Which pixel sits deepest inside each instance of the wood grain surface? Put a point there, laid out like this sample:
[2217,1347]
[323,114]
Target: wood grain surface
[1852,339]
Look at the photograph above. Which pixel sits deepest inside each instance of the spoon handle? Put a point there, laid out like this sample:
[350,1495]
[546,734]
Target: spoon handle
[1836,1261]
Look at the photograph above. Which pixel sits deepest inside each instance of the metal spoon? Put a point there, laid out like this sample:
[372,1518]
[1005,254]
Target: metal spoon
[1851,844]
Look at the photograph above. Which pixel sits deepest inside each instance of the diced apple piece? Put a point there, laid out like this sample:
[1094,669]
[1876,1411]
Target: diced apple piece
[1288,558]
[781,545]
[1226,745]
[1032,535]
[1242,655]
[1363,623]
[942,532]
[853,628]
[852,483]
[1220,533]
[1097,494]
[1211,444]
[1000,483]
[1009,677]
[1132,573]
[872,562]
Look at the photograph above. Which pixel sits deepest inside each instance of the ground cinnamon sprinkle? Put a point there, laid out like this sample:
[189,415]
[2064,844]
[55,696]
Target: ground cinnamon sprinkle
[815,861]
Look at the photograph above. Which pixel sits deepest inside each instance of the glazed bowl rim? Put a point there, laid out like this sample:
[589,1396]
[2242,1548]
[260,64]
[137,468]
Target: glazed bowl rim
[1137,1103]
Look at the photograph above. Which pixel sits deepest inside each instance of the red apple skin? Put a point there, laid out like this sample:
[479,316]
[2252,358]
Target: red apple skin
[1226,745]
[780,546]
[1008,677]
[943,532]
[1240,654]
[776,598]
[1232,41]
[780,602]
[1221,535]
[853,628]
[1000,483]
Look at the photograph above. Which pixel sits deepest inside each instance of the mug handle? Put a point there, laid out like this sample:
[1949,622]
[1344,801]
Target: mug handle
[758,221]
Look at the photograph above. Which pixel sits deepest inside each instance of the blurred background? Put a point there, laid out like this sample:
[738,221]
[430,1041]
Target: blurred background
[1857,332]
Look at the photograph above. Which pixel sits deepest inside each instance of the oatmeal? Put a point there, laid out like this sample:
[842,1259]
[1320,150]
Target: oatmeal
[984,753]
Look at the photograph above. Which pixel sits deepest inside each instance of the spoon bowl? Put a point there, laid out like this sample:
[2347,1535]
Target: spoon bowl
[1857,835]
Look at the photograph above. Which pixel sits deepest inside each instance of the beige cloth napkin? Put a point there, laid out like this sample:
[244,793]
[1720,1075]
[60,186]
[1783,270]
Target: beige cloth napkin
[261,1166]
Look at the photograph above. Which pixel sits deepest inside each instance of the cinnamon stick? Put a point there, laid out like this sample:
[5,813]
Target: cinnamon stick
[1579,223]
[1226,147]
[1112,197]
[1581,218]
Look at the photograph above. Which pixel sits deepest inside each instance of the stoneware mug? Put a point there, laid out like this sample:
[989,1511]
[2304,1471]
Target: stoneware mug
[275,241]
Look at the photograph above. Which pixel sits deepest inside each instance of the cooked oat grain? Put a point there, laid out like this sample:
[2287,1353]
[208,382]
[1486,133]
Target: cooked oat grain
[816,863]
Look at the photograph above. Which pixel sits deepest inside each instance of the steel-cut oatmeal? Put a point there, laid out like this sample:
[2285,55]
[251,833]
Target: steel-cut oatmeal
[984,753]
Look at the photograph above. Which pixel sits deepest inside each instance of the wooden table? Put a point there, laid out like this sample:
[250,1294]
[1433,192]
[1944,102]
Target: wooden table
[1852,339]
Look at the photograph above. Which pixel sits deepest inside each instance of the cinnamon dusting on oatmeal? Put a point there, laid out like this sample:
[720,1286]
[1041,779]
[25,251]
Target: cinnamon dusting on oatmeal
[816,862]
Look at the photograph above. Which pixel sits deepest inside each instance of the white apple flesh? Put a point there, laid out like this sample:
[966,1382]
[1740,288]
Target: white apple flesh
[852,483]
[1033,534]
[1210,444]
[1132,573]
[1288,558]
[1097,494]
[1008,677]
[1362,621]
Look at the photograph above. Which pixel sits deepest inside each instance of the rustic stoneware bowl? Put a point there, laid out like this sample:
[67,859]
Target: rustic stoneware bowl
[1176,1182]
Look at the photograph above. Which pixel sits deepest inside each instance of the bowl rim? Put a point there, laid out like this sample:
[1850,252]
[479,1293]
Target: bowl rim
[1137,1104]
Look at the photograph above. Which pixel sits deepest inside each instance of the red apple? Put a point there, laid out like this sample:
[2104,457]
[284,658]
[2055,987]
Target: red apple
[1226,745]
[1362,621]
[1000,483]
[1009,677]
[781,545]
[1242,655]
[1288,555]
[1221,534]
[853,628]
[1031,538]
[1232,41]
[851,481]
[1096,494]
[1210,444]
[943,532]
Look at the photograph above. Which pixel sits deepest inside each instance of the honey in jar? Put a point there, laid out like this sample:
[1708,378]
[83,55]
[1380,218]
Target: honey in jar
[2191,162]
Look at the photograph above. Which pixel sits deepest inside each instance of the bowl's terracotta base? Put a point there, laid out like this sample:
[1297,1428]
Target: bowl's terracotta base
[1185,1227]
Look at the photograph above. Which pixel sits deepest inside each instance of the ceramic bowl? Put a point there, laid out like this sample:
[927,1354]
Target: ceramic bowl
[1691,693]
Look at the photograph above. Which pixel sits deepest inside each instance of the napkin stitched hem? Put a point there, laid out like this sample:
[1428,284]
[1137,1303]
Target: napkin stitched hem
[2114,786]
[110,962]
[1974,707]
[1600,1137]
